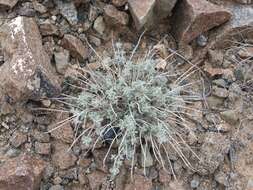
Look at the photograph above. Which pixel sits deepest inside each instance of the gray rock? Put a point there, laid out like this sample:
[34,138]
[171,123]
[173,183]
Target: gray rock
[68,10]
[99,25]
[230,116]
[62,59]
[56,187]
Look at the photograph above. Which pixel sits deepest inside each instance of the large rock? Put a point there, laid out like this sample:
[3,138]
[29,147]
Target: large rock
[146,13]
[8,4]
[21,173]
[238,28]
[194,17]
[26,72]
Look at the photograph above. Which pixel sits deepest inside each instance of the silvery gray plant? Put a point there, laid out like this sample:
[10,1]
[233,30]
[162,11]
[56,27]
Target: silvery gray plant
[135,106]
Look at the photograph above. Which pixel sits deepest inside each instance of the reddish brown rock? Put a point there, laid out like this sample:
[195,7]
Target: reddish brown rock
[17,139]
[96,179]
[62,157]
[140,182]
[119,3]
[42,148]
[26,72]
[8,4]
[194,17]
[239,28]
[21,173]
[142,12]
[75,46]
[49,29]
[147,13]
[61,130]
[115,17]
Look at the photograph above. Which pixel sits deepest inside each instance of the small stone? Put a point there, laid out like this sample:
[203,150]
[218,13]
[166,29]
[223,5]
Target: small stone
[96,179]
[63,158]
[65,132]
[230,116]
[49,29]
[99,25]
[119,3]
[115,17]
[62,60]
[24,172]
[42,148]
[18,138]
[46,103]
[202,40]
[246,52]
[41,136]
[68,10]
[56,187]
[221,178]
[93,13]
[214,102]
[194,17]
[75,46]
[140,182]
[39,7]
[164,177]
[26,9]
[220,92]
[8,4]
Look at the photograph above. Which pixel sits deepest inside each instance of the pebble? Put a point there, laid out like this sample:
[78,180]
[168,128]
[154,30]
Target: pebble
[202,40]
[99,25]
[56,187]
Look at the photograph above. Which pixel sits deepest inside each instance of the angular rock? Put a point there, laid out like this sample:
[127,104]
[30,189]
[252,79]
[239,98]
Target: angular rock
[24,173]
[115,17]
[62,131]
[96,179]
[42,148]
[18,139]
[68,10]
[49,29]
[194,17]
[62,158]
[146,13]
[99,25]
[142,12]
[62,59]
[119,3]
[163,8]
[239,28]
[8,4]
[230,116]
[140,182]
[75,46]
[26,72]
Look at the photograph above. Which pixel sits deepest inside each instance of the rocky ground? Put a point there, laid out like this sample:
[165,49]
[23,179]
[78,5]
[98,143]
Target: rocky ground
[44,42]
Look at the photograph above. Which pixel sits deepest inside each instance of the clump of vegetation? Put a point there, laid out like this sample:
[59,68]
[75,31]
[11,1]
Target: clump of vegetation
[134,105]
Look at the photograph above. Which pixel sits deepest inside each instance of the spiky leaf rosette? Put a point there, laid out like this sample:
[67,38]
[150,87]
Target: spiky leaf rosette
[134,105]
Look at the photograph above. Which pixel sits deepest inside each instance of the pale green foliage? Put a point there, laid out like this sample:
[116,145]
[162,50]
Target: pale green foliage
[135,98]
